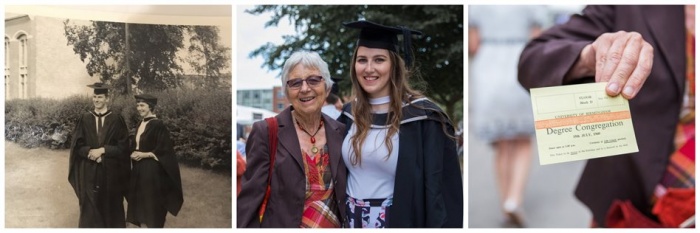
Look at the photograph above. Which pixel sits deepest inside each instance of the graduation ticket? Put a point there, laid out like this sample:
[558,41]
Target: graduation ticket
[578,122]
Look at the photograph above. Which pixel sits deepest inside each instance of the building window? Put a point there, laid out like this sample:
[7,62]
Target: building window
[280,107]
[23,69]
[280,93]
[22,50]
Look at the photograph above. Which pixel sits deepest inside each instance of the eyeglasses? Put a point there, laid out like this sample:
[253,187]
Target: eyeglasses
[311,81]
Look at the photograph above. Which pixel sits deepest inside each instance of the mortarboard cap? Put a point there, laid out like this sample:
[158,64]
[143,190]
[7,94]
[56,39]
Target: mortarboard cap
[373,35]
[99,88]
[149,99]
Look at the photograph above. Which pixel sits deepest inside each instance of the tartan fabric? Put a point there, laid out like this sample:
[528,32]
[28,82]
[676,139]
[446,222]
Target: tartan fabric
[320,207]
[680,172]
[674,196]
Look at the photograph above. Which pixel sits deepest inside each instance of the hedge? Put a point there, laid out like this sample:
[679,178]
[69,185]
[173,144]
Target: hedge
[199,122]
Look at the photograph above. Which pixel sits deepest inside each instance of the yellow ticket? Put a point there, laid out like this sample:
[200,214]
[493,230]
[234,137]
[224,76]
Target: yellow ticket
[577,122]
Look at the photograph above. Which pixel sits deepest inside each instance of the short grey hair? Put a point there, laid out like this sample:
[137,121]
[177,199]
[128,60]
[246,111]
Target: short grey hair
[309,60]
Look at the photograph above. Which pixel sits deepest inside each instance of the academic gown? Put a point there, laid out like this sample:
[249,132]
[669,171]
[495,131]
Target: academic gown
[100,187]
[155,187]
[428,183]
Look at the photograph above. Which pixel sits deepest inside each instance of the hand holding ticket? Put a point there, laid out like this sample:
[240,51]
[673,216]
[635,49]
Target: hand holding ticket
[578,122]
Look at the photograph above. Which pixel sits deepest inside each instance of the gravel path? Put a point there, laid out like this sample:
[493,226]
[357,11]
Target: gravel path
[38,195]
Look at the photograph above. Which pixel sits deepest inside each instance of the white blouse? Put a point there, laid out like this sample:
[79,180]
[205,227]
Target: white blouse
[374,178]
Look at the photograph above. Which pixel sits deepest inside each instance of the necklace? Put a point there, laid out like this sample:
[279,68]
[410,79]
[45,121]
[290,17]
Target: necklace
[380,100]
[314,149]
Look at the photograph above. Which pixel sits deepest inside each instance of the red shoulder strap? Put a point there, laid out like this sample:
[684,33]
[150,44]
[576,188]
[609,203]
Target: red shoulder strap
[272,136]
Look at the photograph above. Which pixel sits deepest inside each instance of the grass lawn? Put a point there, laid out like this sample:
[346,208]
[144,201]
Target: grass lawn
[38,195]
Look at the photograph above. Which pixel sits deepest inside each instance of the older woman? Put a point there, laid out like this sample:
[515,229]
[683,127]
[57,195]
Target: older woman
[400,151]
[155,176]
[308,176]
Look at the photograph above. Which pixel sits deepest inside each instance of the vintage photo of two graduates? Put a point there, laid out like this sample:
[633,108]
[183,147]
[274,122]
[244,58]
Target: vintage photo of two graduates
[118,116]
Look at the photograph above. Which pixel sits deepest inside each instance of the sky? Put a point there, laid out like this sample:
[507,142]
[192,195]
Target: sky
[251,34]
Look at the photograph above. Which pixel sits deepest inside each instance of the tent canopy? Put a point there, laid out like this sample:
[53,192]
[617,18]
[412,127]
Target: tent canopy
[247,115]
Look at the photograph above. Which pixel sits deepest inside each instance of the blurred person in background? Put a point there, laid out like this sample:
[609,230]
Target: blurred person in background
[647,55]
[308,177]
[240,139]
[330,108]
[240,169]
[501,112]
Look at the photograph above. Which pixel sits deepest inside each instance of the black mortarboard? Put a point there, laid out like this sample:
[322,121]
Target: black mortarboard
[373,35]
[149,99]
[100,88]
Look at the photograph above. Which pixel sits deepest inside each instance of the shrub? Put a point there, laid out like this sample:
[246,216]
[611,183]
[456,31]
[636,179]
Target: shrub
[199,122]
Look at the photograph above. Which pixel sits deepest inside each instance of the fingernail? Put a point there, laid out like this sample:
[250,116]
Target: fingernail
[629,91]
[613,87]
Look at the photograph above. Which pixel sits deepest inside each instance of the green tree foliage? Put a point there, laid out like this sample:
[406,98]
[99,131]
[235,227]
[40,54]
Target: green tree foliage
[150,58]
[438,53]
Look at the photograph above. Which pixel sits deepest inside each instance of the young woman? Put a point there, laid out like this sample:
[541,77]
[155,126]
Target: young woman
[400,149]
[155,176]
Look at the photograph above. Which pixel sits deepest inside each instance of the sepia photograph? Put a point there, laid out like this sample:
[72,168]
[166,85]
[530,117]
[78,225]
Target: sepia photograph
[349,116]
[118,116]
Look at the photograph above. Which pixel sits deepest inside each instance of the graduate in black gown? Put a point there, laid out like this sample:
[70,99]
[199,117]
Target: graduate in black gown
[155,187]
[400,147]
[99,163]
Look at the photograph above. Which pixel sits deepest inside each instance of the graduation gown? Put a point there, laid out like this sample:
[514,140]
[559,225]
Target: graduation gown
[428,183]
[100,187]
[155,186]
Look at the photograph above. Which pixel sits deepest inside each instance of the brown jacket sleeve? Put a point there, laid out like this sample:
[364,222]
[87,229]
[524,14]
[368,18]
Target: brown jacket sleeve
[546,59]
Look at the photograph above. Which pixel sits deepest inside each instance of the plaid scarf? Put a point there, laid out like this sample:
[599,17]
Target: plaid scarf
[674,197]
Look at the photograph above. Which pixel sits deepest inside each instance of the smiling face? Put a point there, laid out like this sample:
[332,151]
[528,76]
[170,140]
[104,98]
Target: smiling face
[306,99]
[100,101]
[373,71]
[143,109]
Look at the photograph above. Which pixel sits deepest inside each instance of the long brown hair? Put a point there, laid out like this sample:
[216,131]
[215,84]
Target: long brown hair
[399,91]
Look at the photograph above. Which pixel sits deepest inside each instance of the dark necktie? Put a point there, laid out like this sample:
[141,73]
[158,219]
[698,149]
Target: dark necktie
[100,120]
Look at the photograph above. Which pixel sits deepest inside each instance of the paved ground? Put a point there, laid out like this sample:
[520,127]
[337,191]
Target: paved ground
[38,195]
[549,199]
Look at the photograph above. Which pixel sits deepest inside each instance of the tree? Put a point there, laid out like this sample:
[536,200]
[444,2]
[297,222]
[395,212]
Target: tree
[149,59]
[438,53]
[208,57]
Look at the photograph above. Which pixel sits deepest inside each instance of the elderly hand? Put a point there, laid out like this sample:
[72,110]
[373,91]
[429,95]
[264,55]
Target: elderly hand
[623,59]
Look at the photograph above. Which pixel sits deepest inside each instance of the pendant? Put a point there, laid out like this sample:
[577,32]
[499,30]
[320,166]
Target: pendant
[314,149]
